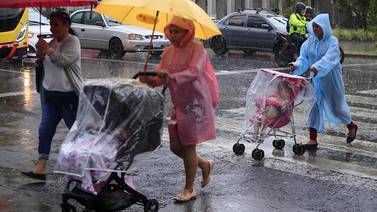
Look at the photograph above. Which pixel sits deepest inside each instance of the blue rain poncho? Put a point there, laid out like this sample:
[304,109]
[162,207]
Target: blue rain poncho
[324,55]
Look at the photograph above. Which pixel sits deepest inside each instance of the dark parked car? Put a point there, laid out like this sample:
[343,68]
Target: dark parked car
[249,31]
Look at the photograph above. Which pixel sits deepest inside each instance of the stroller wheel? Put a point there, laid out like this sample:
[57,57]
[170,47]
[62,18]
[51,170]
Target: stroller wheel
[151,206]
[278,144]
[238,148]
[257,154]
[298,149]
[68,208]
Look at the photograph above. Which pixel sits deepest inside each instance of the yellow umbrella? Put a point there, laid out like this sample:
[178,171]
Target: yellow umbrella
[143,13]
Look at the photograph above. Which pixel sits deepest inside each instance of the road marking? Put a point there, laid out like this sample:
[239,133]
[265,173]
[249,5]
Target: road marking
[370,92]
[18,93]
[17,72]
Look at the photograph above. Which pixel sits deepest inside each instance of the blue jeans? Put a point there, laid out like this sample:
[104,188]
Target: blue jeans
[56,105]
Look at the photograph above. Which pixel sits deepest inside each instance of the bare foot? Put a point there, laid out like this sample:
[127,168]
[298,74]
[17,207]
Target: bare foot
[39,169]
[185,196]
[206,172]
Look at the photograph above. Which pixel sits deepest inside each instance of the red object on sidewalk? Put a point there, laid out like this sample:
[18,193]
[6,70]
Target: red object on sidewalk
[11,53]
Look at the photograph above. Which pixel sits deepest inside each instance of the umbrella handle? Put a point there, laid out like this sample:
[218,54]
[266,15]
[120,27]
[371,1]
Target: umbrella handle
[150,43]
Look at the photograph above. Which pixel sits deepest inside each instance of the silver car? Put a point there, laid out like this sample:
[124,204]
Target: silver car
[97,31]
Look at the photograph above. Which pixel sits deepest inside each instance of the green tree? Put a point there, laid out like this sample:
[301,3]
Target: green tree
[364,11]
[288,6]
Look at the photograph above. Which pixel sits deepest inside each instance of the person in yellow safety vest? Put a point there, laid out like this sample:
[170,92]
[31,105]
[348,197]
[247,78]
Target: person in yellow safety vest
[297,25]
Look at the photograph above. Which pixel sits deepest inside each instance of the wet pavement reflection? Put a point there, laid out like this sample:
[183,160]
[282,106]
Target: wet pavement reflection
[280,182]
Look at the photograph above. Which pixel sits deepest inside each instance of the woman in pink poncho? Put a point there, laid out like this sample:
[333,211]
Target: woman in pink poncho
[185,68]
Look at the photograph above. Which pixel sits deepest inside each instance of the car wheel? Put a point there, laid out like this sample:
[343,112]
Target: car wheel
[31,51]
[249,52]
[116,48]
[218,45]
[280,59]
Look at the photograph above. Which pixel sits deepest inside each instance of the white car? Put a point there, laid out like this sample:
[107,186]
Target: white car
[97,31]
[38,25]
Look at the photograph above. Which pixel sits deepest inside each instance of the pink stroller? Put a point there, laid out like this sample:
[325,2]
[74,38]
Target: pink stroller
[270,102]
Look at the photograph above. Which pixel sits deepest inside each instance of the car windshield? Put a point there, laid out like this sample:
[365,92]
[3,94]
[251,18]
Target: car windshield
[35,18]
[6,13]
[111,22]
[278,22]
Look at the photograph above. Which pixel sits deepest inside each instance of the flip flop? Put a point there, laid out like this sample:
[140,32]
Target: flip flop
[211,165]
[179,197]
[310,146]
[35,175]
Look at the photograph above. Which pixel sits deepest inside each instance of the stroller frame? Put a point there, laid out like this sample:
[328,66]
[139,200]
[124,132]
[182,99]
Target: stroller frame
[115,182]
[258,154]
[93,202]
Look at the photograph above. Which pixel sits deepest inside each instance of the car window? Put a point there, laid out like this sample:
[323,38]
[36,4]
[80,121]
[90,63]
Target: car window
[255,22]
[35,18]
[278,22]
[237,20]
[91,18]
[111,22]
[76,18]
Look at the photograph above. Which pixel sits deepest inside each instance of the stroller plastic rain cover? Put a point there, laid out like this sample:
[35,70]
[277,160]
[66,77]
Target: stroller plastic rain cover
[116,121]
[273,98]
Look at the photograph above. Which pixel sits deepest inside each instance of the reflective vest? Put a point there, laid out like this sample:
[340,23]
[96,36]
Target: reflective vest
[297,24]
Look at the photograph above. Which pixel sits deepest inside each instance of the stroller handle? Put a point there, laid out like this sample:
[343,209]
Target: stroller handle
[152,74]
[145,73]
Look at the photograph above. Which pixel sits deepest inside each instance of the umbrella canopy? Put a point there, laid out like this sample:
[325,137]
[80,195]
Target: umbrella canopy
[44,3]
[143,13]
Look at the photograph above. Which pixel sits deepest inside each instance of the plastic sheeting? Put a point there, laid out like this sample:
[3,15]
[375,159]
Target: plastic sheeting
[116,120]
[273,98]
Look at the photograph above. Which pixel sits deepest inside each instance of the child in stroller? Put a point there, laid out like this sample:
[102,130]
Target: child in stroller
[275,110]
[117,120]
[270,102]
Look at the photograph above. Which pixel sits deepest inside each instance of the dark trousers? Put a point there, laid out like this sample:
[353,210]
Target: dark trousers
[56,105]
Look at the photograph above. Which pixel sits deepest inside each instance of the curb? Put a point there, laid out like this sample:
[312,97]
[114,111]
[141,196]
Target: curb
[360,55]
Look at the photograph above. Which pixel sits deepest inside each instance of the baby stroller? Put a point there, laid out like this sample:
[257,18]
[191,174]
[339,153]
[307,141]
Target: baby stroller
[117,122]
[270,101]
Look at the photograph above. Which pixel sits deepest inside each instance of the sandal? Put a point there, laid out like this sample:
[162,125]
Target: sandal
[351,138]
[204,183]
[310,146]
[35,175]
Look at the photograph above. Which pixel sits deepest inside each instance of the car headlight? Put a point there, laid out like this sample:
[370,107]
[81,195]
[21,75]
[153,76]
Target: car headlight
[21,35]
[30,35]
[135,37]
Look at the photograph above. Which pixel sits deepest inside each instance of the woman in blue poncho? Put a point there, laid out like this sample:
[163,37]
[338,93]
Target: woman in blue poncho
[319,58]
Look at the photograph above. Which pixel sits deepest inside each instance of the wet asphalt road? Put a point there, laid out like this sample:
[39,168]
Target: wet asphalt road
[335,178]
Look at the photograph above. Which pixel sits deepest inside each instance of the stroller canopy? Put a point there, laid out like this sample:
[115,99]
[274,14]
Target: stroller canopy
[285,92]
[116,120]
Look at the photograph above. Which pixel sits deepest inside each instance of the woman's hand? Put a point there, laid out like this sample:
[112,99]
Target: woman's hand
[45,48]
[165,75]
[291,67]
[42,44]
[307,73]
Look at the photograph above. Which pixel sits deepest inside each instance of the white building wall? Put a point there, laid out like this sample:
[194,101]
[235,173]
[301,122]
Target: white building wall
[211,8]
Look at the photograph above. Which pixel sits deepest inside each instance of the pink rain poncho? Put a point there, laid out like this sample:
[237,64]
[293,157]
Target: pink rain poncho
[195,88]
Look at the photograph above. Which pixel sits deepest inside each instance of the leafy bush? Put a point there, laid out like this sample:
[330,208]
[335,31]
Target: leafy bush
[355,34]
